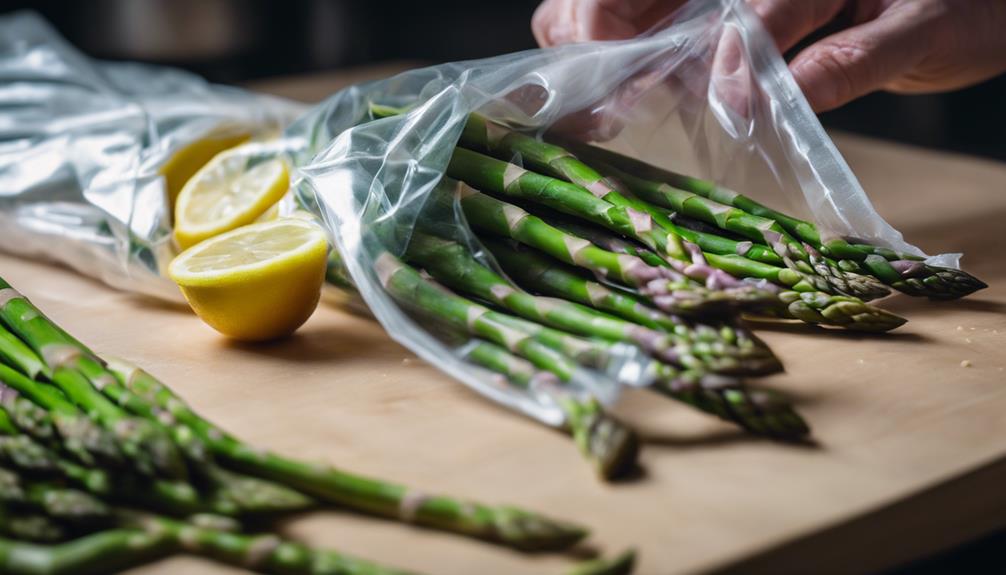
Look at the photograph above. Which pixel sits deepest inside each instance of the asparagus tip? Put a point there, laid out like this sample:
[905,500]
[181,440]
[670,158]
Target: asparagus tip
[533,532]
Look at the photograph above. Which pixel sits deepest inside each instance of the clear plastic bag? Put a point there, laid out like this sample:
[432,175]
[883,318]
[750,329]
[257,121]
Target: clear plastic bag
[82,145]
[707,95]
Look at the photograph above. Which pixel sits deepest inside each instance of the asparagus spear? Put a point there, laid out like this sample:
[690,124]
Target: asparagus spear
[903,272]
[729,399]
[29,527]
[609,445]
[103,552]
[510,180]
[507,525]
[826,275]
[141,538]
[813,307]
[78,510]
[547,158]
[79,435]
[547,276]
[511,526]
[451,264]
[679,294]
[30,457]
[147,445]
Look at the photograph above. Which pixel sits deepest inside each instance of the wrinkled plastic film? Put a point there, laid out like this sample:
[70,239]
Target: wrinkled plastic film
[81,147]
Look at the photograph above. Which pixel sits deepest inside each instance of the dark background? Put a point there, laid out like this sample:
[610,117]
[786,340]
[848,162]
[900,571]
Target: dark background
[233,41]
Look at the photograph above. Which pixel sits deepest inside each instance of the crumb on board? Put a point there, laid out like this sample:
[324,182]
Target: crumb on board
[966,363]
[960,328]
[967,340]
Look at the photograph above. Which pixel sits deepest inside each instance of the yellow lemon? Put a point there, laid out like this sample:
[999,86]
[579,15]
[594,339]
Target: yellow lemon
[228,192]
[258,282]
[181,166]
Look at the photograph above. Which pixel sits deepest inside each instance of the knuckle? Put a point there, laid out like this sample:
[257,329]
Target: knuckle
[846,67]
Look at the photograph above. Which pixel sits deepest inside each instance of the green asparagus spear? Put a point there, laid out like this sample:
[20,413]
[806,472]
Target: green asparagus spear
[547,276]
[87,442]
[506,525]
[451,264]
[825,275]
[493,138]
[813,307]
[607,443]
[148,446]
[141,538]
[493,216]
[904,272]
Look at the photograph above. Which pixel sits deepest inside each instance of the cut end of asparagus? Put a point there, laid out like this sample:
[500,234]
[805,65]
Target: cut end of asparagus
[532,532]
[623,564]
[923,280]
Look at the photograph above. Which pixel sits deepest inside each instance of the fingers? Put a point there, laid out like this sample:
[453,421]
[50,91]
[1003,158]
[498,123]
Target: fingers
[861,59]
[789,21]
[566,21]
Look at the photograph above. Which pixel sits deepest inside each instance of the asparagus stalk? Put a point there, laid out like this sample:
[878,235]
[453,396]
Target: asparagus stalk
[510,180]
[758,412]
[451,264]
[678,294]
[507,525]
[904,272]
[87,442]
[33,527]
[148,446]
[546,349]
[547,158]
[813,307]
[141,538]
[30,457]
[103,552]
[609,445]
[825,275]
[547,276]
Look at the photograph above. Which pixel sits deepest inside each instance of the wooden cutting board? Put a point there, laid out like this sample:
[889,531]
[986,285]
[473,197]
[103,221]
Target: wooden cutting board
[911,456]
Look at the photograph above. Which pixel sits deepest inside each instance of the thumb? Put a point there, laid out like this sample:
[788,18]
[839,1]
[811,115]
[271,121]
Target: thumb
[857,61]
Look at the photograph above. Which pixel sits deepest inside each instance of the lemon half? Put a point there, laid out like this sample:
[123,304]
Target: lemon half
[258,282]
[228,193]
[181,166]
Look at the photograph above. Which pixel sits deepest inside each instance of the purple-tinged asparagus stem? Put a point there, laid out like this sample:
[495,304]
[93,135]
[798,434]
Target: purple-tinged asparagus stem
[679,294]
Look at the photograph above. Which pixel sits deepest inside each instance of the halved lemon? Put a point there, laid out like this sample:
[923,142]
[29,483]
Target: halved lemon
[228,192]
[185,162]
[258,282]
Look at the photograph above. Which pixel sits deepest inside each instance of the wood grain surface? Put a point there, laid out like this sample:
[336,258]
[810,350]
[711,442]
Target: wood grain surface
[911,456]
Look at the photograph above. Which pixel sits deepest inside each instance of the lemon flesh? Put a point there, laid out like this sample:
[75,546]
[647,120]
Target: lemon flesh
[258,282]
[227,193]
[185,162]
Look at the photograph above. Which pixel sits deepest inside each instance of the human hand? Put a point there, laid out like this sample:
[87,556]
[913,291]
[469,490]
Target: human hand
[906,46]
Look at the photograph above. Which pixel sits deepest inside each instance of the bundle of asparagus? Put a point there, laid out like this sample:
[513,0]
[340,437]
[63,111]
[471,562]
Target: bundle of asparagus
[584,256]
[103,466]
